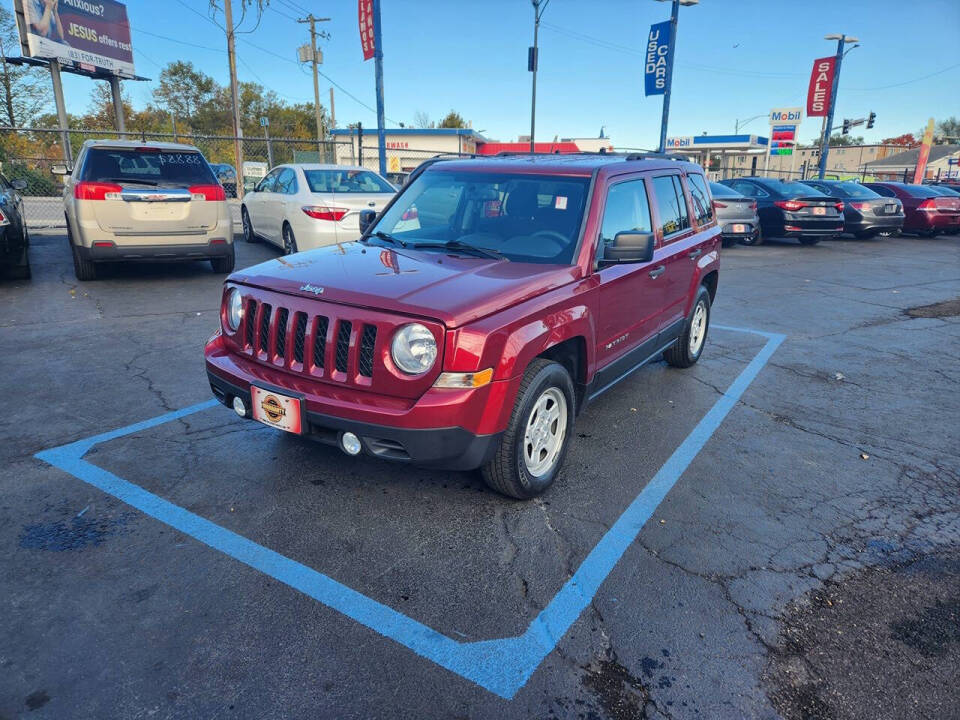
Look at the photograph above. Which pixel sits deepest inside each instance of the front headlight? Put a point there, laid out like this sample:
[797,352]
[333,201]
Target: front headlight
[414,349]
[234,309]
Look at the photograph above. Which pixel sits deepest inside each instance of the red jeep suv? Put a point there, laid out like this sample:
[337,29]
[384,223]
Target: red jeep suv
[479,313]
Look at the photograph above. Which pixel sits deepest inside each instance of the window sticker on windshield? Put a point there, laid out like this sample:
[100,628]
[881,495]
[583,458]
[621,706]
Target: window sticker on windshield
[491,208]
[561,202]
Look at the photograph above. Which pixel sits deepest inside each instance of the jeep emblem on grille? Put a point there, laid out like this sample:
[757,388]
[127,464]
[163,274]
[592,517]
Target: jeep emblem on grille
[312,288]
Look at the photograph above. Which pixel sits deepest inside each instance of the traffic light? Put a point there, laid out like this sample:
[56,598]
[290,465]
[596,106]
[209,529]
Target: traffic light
[846,126]
[873,116]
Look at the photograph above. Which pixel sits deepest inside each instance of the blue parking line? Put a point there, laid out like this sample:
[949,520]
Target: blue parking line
[501,666]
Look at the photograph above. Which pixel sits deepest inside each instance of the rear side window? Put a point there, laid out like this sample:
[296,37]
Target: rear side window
[626,210]
[671,204]
[287,182]
[346,181]
[702,207]
[146,166]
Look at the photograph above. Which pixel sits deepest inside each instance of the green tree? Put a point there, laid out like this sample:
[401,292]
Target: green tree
[948,131]
[453,119]
[187,93]
[844,140]
[25,91]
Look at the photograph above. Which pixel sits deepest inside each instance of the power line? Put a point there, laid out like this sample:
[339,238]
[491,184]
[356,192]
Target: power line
[293,6]
[907,82]
[181,42]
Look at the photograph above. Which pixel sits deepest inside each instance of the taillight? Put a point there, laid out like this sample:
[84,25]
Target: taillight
[860,205]
[928,205]
[753,205]
[96,191]
[411,213]
[210,193]
[790,205]
[718,204]
[839,206]
[3,220]
[325,212]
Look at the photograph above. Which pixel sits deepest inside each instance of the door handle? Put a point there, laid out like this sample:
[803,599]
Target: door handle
[657,271]
[694,254]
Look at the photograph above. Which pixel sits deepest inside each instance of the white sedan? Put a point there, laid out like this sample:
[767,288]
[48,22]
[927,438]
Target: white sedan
[302,206]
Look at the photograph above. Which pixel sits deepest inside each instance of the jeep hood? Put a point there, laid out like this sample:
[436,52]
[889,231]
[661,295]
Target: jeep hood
[454,289]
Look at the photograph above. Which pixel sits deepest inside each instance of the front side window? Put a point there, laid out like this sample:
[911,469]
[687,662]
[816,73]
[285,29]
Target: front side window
[146,166]
[702,207]
[524,217]
[346,181]
[671,204]
[269,183]
[626,210]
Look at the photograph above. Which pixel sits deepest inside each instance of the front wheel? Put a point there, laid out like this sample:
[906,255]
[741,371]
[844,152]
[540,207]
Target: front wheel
[687,350]
[538,434]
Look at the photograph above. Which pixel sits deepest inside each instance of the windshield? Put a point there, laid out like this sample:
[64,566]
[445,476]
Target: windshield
[150,166]
[346,181]
[795,189]
[719,190]
[525,218]
[854,190]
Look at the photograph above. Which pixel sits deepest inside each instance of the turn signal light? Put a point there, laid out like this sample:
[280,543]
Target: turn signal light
[96,191]
[325,212]
[464,380]
[210,193]
[790,205]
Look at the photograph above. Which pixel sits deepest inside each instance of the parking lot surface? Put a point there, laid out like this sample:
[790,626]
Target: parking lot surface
[804,563]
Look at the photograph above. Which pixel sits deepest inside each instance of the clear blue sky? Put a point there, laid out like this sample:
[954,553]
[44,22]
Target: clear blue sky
[735,59]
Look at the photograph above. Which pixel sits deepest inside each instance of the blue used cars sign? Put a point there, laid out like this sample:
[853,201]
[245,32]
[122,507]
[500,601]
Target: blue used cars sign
[658,57]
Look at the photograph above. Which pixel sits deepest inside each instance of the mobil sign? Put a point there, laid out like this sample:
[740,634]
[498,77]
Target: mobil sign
[783,129]
[675,143]
[786,116]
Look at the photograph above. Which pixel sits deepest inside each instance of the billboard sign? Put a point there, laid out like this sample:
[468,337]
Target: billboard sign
[87,33]
[365,21]
[821,86]
[658,58]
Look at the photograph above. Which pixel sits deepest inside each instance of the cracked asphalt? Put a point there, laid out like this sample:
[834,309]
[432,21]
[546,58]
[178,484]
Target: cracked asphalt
[806,564]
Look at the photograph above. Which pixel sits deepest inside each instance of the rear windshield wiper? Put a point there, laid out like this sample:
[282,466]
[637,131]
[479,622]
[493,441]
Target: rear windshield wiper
[462,247]
[389,238]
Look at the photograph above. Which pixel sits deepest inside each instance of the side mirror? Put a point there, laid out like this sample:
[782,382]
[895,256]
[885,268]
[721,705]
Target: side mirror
[19,184]
[366,219]
[630,247]
[59,170]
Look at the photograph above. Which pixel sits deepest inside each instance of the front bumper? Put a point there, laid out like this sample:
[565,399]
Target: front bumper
[450,448]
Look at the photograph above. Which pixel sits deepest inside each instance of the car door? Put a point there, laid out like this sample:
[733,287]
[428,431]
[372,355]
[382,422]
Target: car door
[629,308]
[283,200]
[12,206]
[678,251]
[258,204]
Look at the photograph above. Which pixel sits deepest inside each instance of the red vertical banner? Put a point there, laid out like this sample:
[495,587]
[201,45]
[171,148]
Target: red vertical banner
[921,170]
[365,19]
[821,85]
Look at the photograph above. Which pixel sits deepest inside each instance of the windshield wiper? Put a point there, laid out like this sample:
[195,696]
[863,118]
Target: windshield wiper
[389,238]
[462,247]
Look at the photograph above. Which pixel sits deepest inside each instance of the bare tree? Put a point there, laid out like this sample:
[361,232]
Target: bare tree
[422,120]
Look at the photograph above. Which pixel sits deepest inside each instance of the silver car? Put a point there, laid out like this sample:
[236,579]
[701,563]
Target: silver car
[736,215]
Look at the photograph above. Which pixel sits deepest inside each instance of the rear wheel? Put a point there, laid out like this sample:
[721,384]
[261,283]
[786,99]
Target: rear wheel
[538,434]
[84,269]
[21,270]
[289,241]
[808,240]
[226,263]
[687,350]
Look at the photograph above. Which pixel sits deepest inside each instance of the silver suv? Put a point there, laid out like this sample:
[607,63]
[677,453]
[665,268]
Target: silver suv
[128,200]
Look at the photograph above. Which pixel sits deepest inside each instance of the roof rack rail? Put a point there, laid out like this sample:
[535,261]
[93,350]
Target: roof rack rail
[655,156]
[513,153]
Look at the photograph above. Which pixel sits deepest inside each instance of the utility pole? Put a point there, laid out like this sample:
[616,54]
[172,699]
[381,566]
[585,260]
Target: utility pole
[7,86]
[828,126]
[532,62]
[378,69]
[235,96]
[312,21]
[333,112]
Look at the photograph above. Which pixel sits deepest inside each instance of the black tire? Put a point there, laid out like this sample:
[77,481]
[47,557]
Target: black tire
[248,234]
[507,472]
[808,240]
[727,242]
[21,270]
[866,234]
[680,354]
[225,264]
[289,240]
[84,269]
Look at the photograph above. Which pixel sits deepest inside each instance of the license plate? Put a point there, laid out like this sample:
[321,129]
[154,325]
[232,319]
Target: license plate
[276,410]
[739,228]
[819,211]
[890,209]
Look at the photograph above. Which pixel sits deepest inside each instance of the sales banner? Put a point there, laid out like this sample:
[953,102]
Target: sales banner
[658,58]
[924,156]
[92,34]
[821,85]
[365,15]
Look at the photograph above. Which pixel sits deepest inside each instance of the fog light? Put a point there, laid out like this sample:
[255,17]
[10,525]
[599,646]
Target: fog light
[350,443]
[239,407]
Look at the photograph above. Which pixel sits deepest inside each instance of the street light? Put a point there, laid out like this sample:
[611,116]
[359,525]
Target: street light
[674,13]
[532,64]
[828,124]
[739,123]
